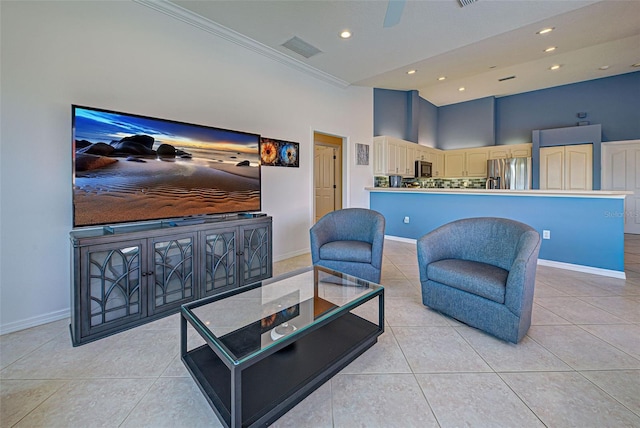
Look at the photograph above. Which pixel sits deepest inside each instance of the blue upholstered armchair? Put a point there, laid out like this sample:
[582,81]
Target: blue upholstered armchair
[481,271]
[350,241]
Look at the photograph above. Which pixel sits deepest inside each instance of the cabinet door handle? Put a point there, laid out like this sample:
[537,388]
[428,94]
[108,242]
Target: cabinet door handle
[147,273]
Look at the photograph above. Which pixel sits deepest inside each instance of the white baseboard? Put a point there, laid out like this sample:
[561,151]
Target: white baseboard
[581,268]
[551,263]
[400,239]
[34,321]
[289,255]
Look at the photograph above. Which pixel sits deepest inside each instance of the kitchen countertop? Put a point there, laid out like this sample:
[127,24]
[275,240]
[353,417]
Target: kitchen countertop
[616,194]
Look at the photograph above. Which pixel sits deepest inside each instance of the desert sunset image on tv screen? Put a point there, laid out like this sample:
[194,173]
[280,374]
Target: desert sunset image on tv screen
[132,168]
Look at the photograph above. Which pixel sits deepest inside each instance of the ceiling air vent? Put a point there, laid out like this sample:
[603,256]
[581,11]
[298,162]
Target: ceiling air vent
[464,3]
[506,78]
[301,47]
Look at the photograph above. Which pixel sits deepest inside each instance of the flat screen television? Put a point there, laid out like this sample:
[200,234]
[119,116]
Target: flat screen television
[131,168]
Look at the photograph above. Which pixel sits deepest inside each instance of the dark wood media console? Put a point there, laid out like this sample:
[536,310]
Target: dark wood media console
[125,276]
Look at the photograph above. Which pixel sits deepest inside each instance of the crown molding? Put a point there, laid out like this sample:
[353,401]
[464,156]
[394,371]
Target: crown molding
[186,16]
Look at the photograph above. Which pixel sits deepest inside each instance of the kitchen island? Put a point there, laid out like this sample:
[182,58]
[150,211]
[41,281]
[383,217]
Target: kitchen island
[586,228]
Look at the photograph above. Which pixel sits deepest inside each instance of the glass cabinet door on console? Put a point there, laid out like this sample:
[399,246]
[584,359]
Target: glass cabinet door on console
[220,261]
[256,252]
[170,275]
[133,274]
[113,295]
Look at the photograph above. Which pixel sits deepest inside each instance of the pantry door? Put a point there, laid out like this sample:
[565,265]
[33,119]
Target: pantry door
[621,171]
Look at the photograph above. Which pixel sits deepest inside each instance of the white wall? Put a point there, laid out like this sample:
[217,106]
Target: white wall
[124,56]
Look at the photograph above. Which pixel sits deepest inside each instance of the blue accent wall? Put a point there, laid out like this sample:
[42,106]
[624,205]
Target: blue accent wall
[428,126]
[613,102]
[466,125]
[390,113]
[568,219]
[413,114]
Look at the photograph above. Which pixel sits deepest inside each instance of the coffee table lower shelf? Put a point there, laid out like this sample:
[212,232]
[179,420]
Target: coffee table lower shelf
[274,384]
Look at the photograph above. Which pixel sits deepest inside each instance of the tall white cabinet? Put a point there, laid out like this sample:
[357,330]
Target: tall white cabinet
[566,167]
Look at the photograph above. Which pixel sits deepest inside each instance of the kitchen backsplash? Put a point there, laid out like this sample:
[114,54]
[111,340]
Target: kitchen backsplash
[435,183]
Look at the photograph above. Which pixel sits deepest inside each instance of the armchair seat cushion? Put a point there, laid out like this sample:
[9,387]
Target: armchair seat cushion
[348,251]
[478,278]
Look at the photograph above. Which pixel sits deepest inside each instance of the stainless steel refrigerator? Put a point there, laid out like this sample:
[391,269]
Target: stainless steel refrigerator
[511,173]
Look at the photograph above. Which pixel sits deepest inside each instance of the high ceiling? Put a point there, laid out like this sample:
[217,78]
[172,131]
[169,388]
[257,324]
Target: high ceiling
[472,46]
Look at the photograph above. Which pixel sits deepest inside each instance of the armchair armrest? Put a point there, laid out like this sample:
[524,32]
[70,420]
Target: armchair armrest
[434,246]
[377,243]
[521,279]
[319,235]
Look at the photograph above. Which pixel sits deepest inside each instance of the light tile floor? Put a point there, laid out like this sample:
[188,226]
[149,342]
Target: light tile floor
[579,366]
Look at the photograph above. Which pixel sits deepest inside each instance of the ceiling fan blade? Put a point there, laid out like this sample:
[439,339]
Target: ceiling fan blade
[394,12]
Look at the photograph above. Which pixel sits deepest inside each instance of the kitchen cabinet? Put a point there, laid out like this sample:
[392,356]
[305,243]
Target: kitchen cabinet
[423,153]
[566,167]
[393,156]
[438,164]
[466,162]
[396,157]
[379,156]
[520,150]
[510,151]
[410,166]
[454,163]
[435,156]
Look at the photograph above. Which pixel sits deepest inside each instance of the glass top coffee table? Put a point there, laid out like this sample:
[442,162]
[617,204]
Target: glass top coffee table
[270,344]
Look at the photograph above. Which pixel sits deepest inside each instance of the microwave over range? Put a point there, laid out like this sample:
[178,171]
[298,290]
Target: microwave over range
[423,169]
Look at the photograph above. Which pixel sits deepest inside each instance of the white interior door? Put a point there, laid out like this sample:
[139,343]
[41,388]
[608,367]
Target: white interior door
[621,171]
[324,170]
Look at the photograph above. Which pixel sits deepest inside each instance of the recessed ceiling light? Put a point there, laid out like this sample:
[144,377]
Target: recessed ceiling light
[604,67]
[441,77]
[546,30]
[637,64]
[411,72]
[462,88]
[550,49]
[345,34]
[555,67]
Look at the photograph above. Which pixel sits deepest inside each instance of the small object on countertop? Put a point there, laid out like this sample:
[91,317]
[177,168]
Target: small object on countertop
[395,181]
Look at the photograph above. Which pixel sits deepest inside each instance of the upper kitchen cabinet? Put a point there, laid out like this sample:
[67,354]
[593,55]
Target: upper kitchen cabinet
[423,153]
[510,151]
[437,163]
[393,156]
[397,157]
[466,162]
[412,156]
[435,157]
[566,167]
[454,163]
